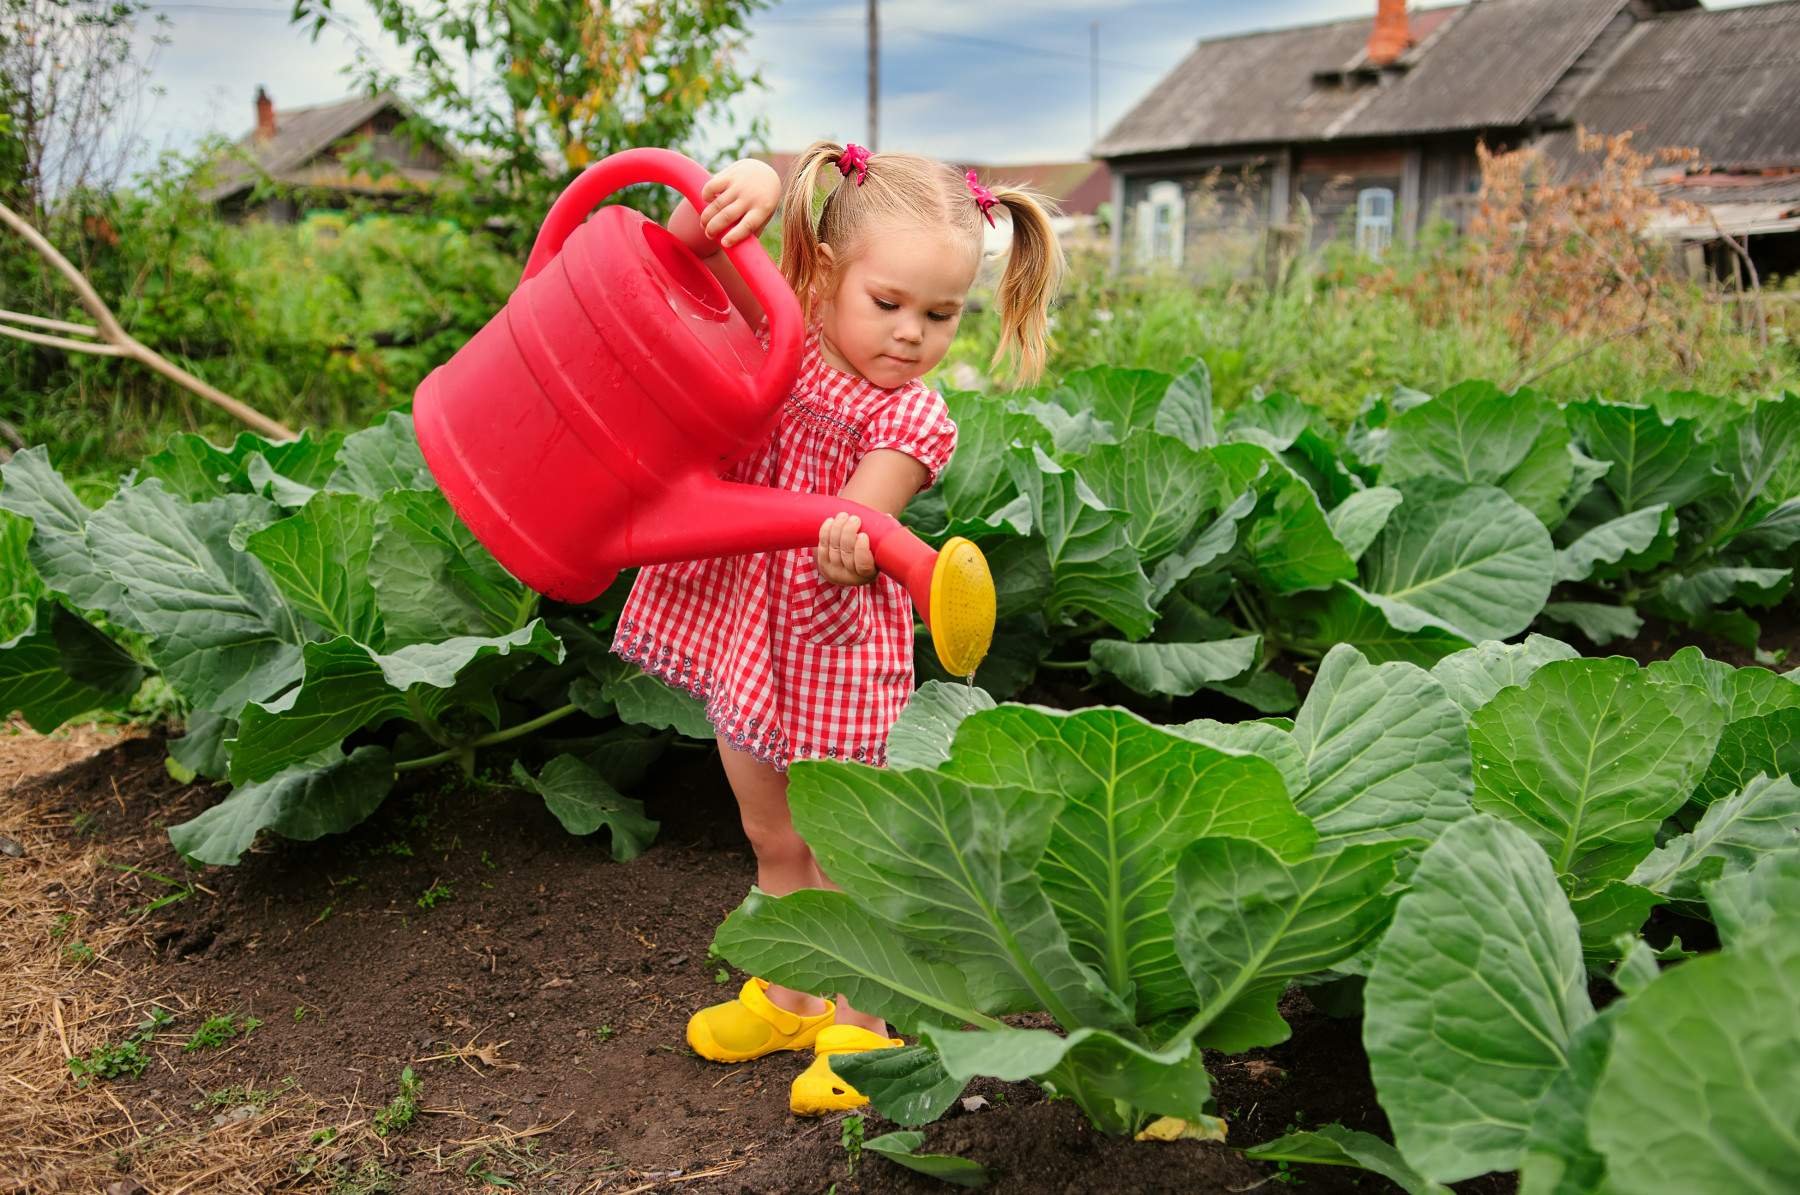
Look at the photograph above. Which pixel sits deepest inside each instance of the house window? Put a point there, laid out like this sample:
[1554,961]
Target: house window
[1374,220]
[1161,218]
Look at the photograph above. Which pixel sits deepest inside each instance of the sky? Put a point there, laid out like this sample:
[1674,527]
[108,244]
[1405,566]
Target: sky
[996,81]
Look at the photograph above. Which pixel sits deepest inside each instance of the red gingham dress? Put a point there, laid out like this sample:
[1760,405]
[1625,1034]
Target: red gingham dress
[789,665]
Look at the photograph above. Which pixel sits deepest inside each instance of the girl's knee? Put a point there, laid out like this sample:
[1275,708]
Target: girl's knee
[776,842]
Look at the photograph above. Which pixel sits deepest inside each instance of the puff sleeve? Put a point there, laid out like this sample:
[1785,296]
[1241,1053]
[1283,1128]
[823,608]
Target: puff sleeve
[917,422]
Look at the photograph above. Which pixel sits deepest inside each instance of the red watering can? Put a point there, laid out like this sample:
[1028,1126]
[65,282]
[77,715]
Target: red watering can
[583,430]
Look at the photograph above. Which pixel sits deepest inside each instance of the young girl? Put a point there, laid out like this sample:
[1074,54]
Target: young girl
[809,654]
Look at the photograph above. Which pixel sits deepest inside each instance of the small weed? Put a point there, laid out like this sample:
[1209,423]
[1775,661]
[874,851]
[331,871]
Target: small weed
[241,1094]
[325,1136]
[436,895]
[489,863]
[722,975]
[604,1033]
[345,882]
[299,1013]
[371,1178]
[482,1169]
[216,1031]
[79,952]
[852,1140]
[179,890]
[61,928]
[398,847]
[324,916]
[84,824]
[402,1108]
[120,1058]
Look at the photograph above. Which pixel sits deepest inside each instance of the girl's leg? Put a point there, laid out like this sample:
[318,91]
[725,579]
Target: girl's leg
[784,863]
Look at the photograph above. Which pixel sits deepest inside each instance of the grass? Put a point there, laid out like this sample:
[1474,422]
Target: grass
[215,1031]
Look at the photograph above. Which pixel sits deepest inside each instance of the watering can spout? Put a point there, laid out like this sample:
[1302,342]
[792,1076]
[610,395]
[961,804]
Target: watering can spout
[703,516]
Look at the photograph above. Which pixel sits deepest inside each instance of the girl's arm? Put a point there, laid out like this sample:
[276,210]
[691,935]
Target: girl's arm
[740,201]
[885,480]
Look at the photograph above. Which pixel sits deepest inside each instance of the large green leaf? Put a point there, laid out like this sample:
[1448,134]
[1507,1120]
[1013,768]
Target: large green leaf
[583,801]
[1263,738]
[1590,754]
[1096,1068]
[1475,996]
[432,579]
[1472,677]
[1615,540]
[59,546]
[62,665]
[908,1085]
[953,863]
[220,630]
[902,1148]
[1386,751]
[319,559]
[327,794]
[20,586]
[1335,1145]
[1288,538]
[1176,669]
[1768,744]
[287,471]
[1477,435]
[922,736]
[1599,622]
[1092,565]
[1734,835]
[1465,559]
[349,685]
[1708,1057]
[1132,796]
[1210,543]
[1559,1157]
[976,484]
[1160,484]
[1743,902]
[1654,461]
[643,700]
[1186,409]
[1358,519]
[1342,615]
[1247,923]
[1754,447]
[1693,594]
[1128,399]
[382,458]
[820,941]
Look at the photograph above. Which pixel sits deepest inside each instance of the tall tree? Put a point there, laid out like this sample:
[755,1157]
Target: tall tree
[534,92]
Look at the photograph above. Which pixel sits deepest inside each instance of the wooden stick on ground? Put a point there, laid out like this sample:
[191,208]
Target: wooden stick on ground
[113,340]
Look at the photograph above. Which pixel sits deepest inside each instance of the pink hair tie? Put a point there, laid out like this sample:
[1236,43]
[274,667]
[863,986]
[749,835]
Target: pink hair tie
[856,158]
[984,198]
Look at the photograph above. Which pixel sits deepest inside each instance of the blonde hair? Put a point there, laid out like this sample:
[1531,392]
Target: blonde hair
[905,187]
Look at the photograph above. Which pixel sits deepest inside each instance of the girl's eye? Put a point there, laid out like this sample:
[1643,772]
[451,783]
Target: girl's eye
[887,306]
[940,316]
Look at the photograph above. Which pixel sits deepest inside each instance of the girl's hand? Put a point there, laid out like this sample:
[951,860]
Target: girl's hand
[740,199]
[843,555]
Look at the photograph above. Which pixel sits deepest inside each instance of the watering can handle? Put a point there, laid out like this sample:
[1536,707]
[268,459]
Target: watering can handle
[687,176]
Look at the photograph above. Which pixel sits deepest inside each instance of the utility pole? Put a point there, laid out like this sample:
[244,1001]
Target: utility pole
[874,77]
[1093,85]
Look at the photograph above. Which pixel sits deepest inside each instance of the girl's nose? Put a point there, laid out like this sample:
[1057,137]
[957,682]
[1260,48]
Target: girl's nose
[911,330]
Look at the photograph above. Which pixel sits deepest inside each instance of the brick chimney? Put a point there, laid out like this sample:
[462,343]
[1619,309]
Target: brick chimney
[1390,37]
[265,115]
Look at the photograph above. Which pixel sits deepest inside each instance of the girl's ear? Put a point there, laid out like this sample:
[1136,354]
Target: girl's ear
[823,291]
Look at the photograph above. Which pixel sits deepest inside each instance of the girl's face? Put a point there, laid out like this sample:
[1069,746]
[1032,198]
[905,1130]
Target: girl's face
[897,306]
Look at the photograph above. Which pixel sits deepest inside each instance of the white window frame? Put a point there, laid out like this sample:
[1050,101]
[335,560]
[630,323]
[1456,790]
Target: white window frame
[1374,221]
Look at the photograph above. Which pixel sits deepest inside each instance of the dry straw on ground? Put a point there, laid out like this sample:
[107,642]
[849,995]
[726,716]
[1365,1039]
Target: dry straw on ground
[57,1002]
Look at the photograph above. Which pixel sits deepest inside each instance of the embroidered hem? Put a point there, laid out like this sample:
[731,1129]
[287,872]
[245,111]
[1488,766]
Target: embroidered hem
[769,744]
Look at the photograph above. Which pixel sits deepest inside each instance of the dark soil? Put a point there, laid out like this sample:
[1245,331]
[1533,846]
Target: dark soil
[579,973]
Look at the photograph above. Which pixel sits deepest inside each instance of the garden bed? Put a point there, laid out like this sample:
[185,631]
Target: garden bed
[540,1001]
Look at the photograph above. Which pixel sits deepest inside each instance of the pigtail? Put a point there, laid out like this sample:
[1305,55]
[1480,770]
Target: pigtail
[801,262]
[1034,269]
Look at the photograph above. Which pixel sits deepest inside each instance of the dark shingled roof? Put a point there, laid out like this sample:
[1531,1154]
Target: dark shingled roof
[1476,66]
[1724,82]
[301,134]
